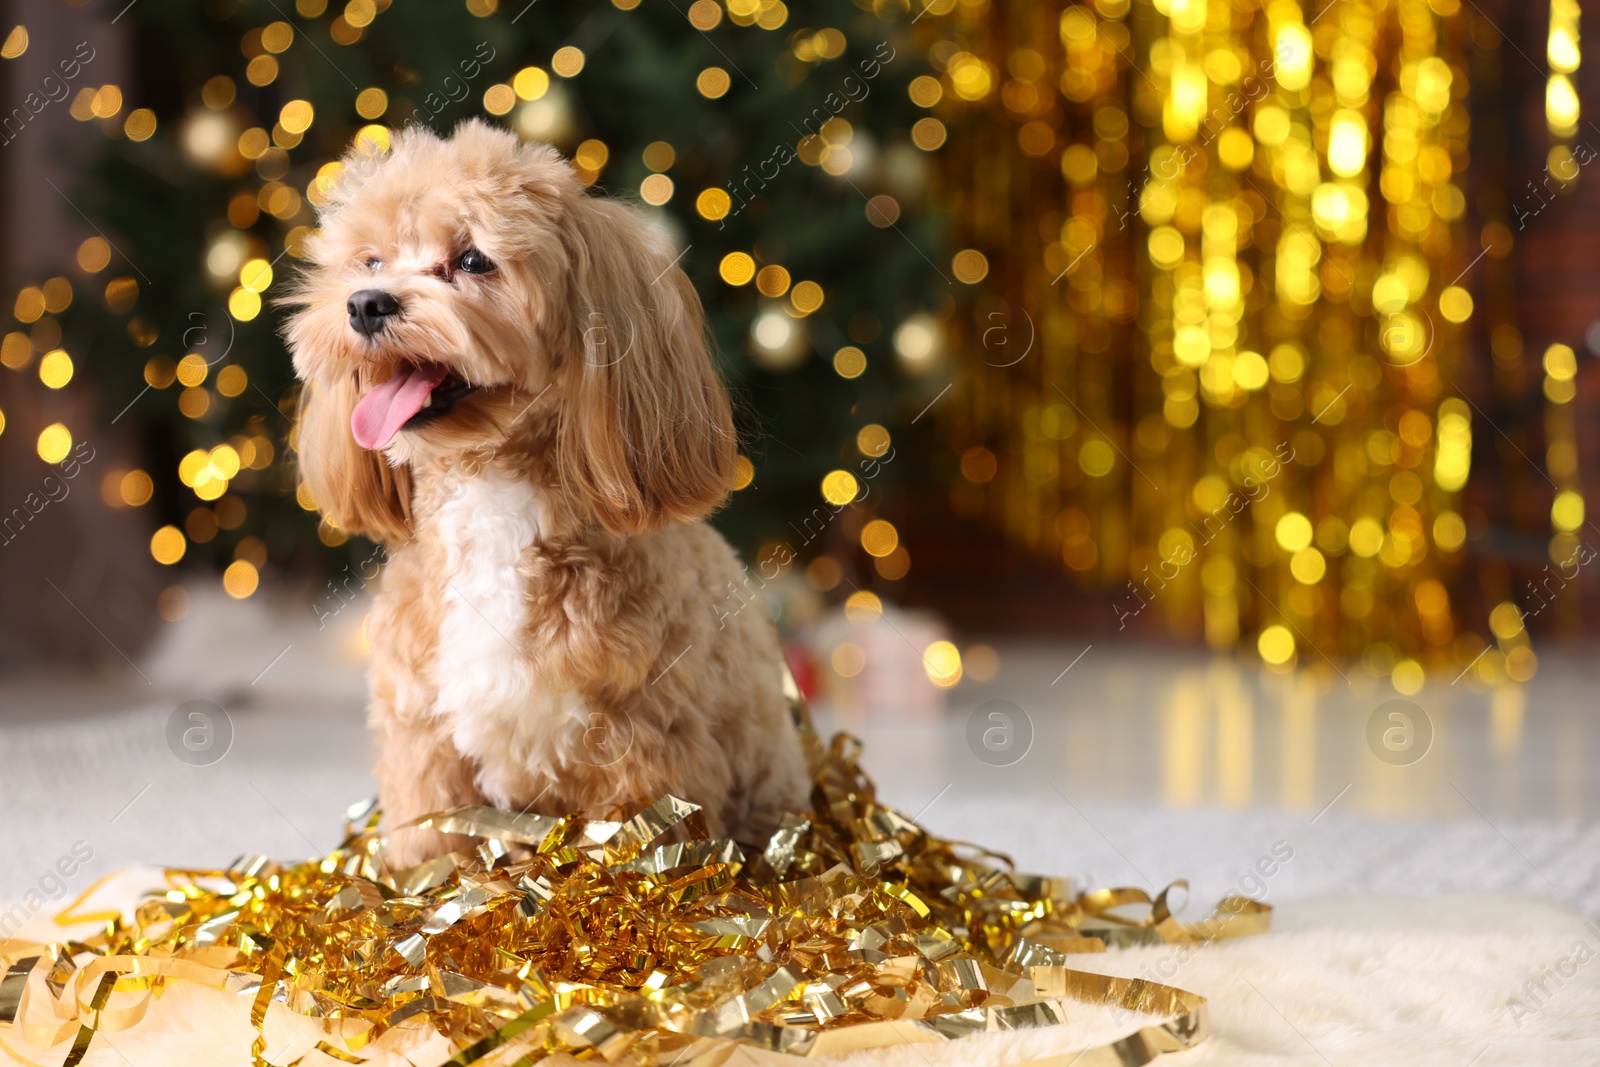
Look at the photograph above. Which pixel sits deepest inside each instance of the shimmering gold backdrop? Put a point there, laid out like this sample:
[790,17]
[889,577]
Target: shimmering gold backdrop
[1222,250]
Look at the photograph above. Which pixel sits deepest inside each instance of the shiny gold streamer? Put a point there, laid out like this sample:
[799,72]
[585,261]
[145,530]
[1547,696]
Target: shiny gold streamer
[1231,233]
[638,942]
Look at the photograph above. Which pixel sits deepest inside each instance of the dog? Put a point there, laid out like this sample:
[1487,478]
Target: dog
[507,382]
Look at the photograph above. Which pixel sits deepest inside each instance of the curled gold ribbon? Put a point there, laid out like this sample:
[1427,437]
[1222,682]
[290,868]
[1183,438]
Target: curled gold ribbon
[639,942]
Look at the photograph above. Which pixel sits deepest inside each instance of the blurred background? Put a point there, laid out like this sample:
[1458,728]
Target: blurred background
[1172,409]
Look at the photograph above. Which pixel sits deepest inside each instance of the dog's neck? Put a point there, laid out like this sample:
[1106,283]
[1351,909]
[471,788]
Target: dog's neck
[484,486]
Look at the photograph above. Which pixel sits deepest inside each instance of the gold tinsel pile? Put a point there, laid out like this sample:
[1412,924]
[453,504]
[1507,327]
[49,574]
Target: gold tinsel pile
[640,942]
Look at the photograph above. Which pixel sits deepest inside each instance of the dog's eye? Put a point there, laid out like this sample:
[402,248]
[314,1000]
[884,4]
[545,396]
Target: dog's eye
[473,261]
[374,264]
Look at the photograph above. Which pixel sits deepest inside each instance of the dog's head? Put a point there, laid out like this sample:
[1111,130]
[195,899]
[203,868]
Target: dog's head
[466,294]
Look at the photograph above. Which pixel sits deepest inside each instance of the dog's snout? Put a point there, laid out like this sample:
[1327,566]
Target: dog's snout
[370,310]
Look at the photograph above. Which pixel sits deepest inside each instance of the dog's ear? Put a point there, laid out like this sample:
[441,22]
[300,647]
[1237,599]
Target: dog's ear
[354,488]
[646,434]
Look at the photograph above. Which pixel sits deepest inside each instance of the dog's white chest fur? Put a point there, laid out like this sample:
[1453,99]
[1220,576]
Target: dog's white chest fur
[502,715]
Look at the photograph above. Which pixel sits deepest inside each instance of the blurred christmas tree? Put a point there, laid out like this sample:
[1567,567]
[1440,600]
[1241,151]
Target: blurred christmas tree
[778,155]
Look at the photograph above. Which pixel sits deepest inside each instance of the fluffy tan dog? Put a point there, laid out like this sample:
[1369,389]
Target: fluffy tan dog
[507,383]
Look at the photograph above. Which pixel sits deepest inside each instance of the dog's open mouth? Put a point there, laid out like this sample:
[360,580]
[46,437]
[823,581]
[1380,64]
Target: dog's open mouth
[417,393]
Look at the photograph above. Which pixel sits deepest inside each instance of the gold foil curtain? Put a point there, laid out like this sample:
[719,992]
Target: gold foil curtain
[1232,235]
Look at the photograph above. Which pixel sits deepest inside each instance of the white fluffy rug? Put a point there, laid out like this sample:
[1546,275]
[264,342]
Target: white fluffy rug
[1460,981]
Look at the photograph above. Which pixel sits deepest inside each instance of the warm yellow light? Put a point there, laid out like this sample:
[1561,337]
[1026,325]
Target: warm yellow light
[806,297]
[656,189]
[879,537]
[256,275]
[1276,645]
[970,266]
[1407,677]
[231,380]
[1505,620]
[941,661]
[55,369]
[192,369]
[567,62]
[1347,144]
[713,83]
[136,488]
[1180,117]
[863,607]
[296,116]
[244,304]
[55,441]
[849,362]
[1250,371]
[969,76]
[1308,566]
[530,83]
[360,13]
[240,579]
[1235,148]
[1560,362]
[140,124]
[925,91]
[1562,50]
[744,472]
[1366,537]
[30,304]
[1096,458]
[839,488]
[1166,247]
[737,268]
[1293,532]
[872,440]
[190,466]
[370,103]
[1292,50]
[224,461]
[1455,304]
[94,254]
[167,545]
[499,99]
[1449,531]
[714,203]
[1566,513]
[1560,104]
[592,154]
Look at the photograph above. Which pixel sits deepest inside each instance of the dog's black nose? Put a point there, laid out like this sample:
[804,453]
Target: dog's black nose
[370,310]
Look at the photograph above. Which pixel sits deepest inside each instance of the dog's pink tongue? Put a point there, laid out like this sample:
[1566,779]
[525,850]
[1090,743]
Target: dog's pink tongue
[380,414]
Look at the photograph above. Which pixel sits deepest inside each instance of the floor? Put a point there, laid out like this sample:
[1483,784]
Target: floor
[1113,766]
